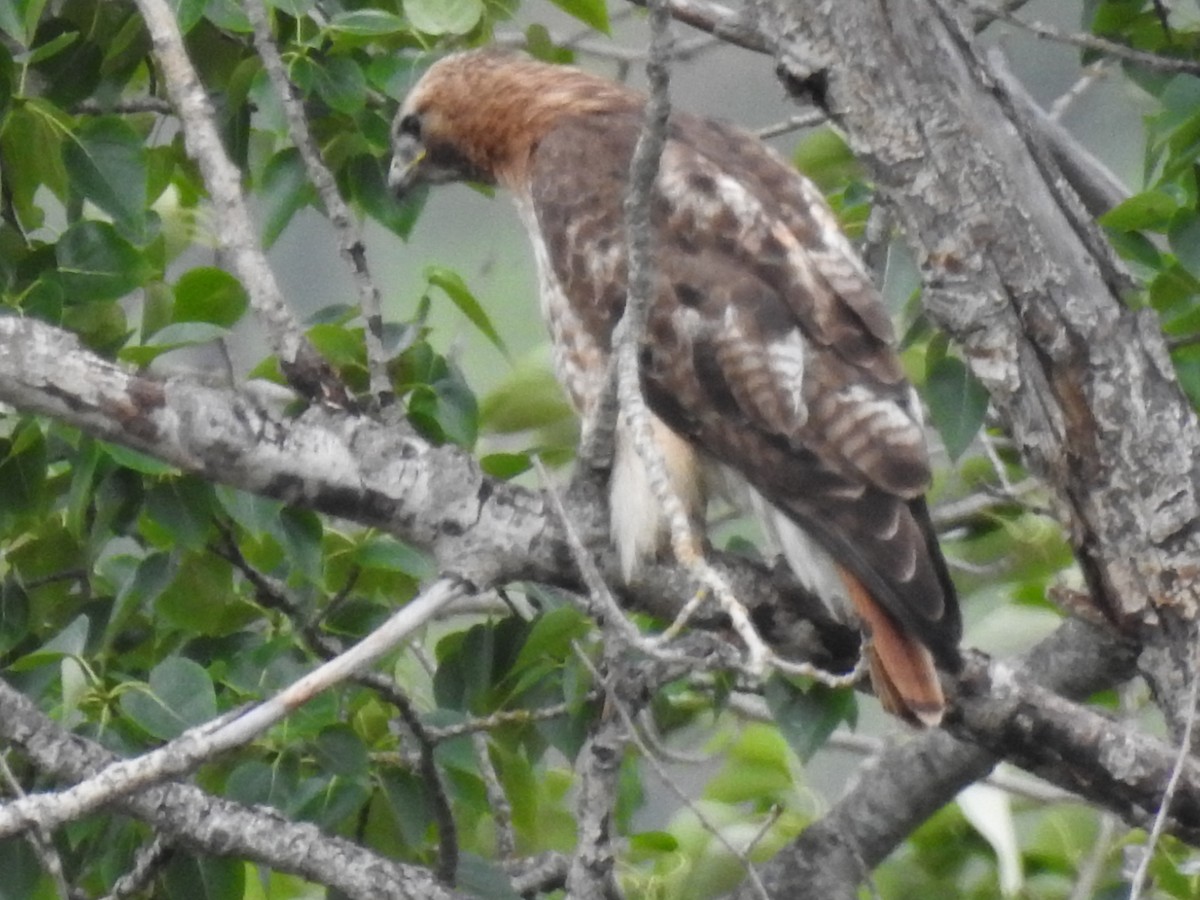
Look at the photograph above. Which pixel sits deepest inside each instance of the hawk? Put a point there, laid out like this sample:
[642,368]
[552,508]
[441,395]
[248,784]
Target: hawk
[768,361]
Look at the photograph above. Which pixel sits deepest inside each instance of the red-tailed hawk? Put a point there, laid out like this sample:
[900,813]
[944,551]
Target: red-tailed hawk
[768,359]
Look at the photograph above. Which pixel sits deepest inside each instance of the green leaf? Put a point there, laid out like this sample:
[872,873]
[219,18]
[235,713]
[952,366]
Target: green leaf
[381,551]
[188,13]
[756,769]
[106,164]
[590,12]
[138,462]
[341,83]
[201,599]
[1184,237]
[444,16]
[551,636]
[21,867]
[528,397]
[483,878]
[825,157]
[294,8]
[340,345]
[207,294]
[368,23]
[285,191]
[1148,210]
[957,403]
[189,877]
[505,465]
[460,295]
[181,334]
[368,187]
[183,506]
[70,641]
[807,717]
[95,263]
[50,48]
[179,696]
[228,15]
[31,143]
[6,82]
[23,473]
[340,751]
[147,580]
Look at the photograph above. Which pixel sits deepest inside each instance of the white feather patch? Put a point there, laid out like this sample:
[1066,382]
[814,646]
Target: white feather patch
[813,567]
[638,527]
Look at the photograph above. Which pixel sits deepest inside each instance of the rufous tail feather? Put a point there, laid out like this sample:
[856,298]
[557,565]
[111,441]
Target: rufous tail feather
[901,667]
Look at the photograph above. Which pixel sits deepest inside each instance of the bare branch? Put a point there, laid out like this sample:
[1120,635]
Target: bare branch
[1137,884]
[147,864]
[502,813]
[1154,61]
[39,838]
[805,119]
[305,368]
[127,106]
[274,595]
[350,243]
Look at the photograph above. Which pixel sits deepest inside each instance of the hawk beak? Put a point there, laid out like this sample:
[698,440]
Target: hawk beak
[404,172]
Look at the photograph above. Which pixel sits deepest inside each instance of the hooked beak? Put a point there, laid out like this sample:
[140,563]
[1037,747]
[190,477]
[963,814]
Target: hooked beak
[404,173]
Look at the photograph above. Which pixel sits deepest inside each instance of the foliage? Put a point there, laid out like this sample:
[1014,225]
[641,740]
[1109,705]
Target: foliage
[130,607]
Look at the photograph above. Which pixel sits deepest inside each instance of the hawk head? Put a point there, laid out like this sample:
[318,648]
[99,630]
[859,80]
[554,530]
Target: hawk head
[479,116]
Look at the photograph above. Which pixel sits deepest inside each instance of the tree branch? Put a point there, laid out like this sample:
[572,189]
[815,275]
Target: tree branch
[206,824]
[304,367]
[353,251]
[199,744]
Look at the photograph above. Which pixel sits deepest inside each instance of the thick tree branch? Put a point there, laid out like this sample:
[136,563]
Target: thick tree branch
[901,787]
[484,531]
[1018,274]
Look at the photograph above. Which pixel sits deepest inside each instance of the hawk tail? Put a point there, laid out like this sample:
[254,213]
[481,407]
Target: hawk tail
[901,667]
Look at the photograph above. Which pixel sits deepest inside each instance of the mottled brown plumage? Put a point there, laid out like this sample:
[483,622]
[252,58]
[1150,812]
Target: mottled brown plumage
[769,359]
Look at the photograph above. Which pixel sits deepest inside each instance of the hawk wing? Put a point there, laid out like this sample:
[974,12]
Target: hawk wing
[767,347]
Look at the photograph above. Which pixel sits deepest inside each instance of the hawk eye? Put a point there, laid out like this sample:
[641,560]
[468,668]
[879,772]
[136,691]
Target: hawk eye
[410,125]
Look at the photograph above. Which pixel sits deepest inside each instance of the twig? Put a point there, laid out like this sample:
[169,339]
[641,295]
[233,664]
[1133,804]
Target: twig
[274,595]
[604,606]
[731,27]
[684,51]
[806,119]
[39,838]
[502,813]
[1093,866]
[146,865]
[643,170]
[305,368]
[350,243]
[212,825]
[199,744]
[616,703]
[127,106]
[1064,101]
[437,734]
[539,875]
[1138,883]
[1154,61]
